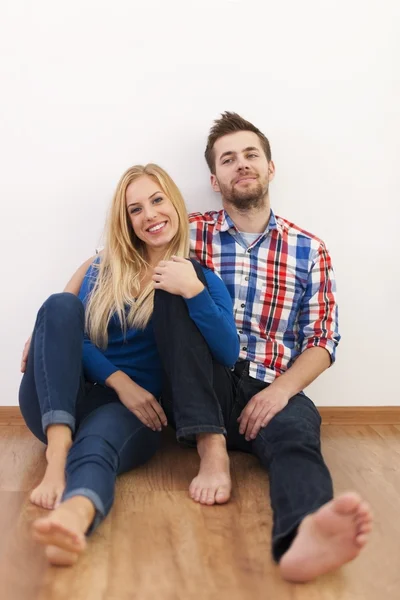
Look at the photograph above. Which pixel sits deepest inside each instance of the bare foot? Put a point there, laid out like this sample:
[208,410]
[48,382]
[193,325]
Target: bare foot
[327,539]
[48,493]
[213,483]
[63,531]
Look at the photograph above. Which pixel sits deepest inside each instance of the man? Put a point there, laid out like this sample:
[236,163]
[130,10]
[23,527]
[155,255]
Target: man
[281,282]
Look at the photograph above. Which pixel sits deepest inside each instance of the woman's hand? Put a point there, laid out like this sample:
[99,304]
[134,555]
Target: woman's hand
[138,400]
[25,353]
[177,276]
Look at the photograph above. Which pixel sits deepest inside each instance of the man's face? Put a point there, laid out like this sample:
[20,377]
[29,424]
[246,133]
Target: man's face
[242,171]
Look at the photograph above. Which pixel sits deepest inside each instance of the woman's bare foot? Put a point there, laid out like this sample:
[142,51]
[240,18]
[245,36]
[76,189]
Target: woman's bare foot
[63,531]
[213,483]
[327,539]
[48,493]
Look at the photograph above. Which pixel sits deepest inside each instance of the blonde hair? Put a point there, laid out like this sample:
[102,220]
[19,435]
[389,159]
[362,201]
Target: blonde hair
[123,262]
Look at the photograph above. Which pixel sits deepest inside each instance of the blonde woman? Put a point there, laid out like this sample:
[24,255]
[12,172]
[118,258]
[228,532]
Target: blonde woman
[145,317]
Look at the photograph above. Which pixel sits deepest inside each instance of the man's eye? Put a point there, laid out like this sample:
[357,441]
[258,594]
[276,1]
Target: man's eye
[252,155]
[225,162]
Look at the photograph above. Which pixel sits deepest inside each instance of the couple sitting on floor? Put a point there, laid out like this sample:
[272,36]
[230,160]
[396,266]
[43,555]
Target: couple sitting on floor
[220,346]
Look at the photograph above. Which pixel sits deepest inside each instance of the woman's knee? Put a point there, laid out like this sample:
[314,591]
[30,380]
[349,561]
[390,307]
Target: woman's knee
[63,304]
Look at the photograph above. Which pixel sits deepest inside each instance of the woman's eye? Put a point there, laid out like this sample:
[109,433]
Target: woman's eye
[157,200]
[135,210]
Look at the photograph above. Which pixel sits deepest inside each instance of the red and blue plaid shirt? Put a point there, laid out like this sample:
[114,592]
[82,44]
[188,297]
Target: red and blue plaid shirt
[282,287]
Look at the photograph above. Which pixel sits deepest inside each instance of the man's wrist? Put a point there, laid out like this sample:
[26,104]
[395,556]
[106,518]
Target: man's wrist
[284,387]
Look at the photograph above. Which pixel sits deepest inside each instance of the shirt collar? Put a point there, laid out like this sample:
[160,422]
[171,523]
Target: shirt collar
[224,223]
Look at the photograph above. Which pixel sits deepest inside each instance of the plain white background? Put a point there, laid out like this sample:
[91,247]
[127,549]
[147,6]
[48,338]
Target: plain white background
[89,88]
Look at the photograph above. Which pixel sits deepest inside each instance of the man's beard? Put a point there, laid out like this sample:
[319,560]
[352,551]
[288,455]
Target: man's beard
[245,199]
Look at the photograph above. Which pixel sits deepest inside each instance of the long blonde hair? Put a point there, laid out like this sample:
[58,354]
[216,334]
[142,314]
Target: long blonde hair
[123,262]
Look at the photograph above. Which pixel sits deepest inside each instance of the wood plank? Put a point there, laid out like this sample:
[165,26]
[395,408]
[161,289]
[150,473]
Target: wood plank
[157,543]
[331,415]
[364,415]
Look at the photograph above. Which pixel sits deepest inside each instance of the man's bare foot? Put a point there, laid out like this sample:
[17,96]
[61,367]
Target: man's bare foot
[48,493]
[213,483]
[63,531]
[327,539]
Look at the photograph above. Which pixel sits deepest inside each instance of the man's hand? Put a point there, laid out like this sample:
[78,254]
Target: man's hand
[25,353]
[260,410]
[138,400]
[177,276]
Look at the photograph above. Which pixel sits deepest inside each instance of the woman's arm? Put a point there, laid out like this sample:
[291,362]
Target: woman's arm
[212,312]
[74,284]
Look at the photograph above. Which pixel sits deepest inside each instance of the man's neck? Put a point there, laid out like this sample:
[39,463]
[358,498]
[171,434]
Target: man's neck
[253,220]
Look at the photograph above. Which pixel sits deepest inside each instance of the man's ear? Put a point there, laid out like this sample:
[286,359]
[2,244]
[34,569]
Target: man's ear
[271,170]
[214,183]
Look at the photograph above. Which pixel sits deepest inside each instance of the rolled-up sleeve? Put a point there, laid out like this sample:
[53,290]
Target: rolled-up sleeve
[318,317]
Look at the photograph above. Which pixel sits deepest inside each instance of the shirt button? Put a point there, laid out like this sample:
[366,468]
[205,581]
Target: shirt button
[247,278]
[244,348]
[240,331]
[242,305]
[249,250]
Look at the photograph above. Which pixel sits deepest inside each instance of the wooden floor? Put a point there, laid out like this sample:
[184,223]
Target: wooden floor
[158,544]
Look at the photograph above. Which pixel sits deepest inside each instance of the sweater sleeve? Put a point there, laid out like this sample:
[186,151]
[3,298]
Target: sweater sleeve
[212,312]
[96,367]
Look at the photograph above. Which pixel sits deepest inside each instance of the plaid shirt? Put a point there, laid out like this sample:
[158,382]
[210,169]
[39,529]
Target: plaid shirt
[282,287]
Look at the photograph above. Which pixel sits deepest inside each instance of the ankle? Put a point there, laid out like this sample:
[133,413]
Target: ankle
[83,508]
[59,441]
[210,442]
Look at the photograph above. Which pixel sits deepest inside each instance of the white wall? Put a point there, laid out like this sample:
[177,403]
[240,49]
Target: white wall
[89,88]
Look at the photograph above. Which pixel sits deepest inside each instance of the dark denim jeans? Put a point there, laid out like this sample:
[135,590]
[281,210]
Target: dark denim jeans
[214,396]
[108,439]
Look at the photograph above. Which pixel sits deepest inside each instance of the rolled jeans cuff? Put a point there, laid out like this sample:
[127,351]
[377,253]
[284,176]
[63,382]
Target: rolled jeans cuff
[187,435]
[58,417]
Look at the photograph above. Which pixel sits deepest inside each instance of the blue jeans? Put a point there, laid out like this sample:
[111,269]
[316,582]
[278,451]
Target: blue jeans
[289,447]
[108,439]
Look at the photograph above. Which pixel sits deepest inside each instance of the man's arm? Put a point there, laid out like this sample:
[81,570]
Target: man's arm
[318,338]
[267,403]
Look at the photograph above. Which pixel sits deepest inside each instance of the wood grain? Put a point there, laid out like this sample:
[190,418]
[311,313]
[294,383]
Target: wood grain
[331,415]
[157,543]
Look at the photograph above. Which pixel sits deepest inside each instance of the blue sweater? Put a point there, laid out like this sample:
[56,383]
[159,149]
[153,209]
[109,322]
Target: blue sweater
[137,354]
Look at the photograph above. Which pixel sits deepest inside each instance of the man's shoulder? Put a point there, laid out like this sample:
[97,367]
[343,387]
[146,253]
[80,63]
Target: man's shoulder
[294,231]
[209,218]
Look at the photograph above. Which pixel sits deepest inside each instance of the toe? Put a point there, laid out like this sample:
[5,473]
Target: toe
[347,503]
[362,539]
[364,528]
[222,495]
[210,498]
[57,556]
[197,494]
[203,496]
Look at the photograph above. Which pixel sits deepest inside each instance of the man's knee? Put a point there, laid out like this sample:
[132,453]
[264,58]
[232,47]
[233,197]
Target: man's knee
[298,422]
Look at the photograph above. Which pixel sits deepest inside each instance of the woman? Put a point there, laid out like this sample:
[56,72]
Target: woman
[141,310]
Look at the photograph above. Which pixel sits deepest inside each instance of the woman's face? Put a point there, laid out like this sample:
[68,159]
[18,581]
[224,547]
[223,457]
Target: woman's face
[152,214]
